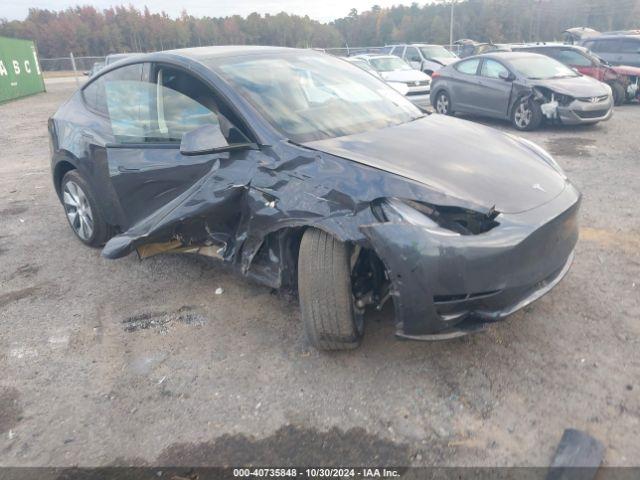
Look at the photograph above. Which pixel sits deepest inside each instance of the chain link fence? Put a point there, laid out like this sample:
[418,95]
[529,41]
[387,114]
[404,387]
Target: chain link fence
[70,65]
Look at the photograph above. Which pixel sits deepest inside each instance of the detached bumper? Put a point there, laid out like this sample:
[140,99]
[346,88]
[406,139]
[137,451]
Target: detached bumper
[582,112]
[446,286]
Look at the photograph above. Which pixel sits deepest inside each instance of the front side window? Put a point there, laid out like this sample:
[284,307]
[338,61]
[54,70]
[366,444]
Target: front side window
[412,55]
[142,111]
[468,67]
[493,69]
[309,96]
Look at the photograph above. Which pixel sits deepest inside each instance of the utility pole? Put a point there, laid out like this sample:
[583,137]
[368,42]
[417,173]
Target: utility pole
[451,24]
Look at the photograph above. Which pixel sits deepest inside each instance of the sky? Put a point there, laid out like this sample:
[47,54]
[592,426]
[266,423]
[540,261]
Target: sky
[322,10]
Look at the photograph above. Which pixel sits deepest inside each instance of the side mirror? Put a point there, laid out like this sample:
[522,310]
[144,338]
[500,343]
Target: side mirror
[506,76]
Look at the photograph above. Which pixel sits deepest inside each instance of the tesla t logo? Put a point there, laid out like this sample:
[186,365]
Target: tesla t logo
[537,186]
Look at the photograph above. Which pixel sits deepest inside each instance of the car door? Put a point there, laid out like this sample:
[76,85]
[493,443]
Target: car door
[493,89]
[146,169]
[412,57]
[464,85]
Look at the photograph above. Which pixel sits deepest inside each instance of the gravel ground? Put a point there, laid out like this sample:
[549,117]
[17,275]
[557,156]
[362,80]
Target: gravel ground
[128,362]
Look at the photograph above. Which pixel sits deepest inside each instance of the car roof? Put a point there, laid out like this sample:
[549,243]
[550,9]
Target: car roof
[611,36]
[203,53]
[548,45]
[365,56]
[508,55]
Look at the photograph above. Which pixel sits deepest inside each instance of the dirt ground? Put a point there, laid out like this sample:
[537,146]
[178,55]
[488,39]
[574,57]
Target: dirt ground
[140,362]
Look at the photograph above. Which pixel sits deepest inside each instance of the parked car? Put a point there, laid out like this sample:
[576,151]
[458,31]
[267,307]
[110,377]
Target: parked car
[522,87]
[396,70]
[624,80]
[95,68]
[616,49]
[426,58]
[577,35]
[400,87]
[307,174]
[466,48]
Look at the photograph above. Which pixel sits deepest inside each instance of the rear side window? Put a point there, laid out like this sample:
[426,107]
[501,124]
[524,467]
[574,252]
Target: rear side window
[94,94]
[468,67]
[397,51]
[412,55]
[611,45]
[493,69]
[630,45]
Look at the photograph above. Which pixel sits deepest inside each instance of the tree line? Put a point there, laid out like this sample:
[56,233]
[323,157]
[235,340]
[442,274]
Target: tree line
[87,31]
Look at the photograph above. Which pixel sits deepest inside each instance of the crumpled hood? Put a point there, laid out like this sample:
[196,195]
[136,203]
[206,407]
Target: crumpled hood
[577,87]
[627,70]
[456,157]
[404,76]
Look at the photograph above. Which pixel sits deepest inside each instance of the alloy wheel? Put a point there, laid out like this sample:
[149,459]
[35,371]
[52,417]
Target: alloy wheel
[78,210]
[523,115]
[442,104]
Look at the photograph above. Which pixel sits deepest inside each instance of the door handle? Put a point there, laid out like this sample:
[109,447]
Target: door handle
[122,169]
[87,135]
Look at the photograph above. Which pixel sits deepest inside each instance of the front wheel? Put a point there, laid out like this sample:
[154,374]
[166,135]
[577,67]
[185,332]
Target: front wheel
[330,317]
[526,115]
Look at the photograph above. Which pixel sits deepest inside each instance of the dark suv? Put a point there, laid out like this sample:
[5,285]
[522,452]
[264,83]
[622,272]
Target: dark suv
[624,80]
[616,49]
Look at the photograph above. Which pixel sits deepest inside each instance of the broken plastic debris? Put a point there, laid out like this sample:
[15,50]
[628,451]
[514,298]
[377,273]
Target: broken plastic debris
[219,291]
[550,110]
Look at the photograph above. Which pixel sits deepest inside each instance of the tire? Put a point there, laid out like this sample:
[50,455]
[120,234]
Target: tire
[526,115]
[324,286]
[443,103]
[83,213]
[619,94]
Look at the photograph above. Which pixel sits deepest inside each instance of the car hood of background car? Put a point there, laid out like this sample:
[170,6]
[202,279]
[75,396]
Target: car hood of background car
[458,158]
[404,76]
[576,87]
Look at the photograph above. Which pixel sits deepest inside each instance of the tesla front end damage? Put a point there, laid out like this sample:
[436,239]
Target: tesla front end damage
[305,173]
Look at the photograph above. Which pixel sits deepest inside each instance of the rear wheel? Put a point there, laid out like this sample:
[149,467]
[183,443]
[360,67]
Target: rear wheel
[619,94]
[526,115]
[443,103]
[330,317]
[83,212]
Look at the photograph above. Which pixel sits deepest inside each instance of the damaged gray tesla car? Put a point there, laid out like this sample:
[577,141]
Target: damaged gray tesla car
[305,173]
[526,88]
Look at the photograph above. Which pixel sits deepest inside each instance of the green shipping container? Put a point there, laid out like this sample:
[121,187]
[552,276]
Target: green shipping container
[20,73]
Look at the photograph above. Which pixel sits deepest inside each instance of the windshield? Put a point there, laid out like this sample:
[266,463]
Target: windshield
[389,64]
[436,51]
[310,96]
[542,68]
[363,65]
